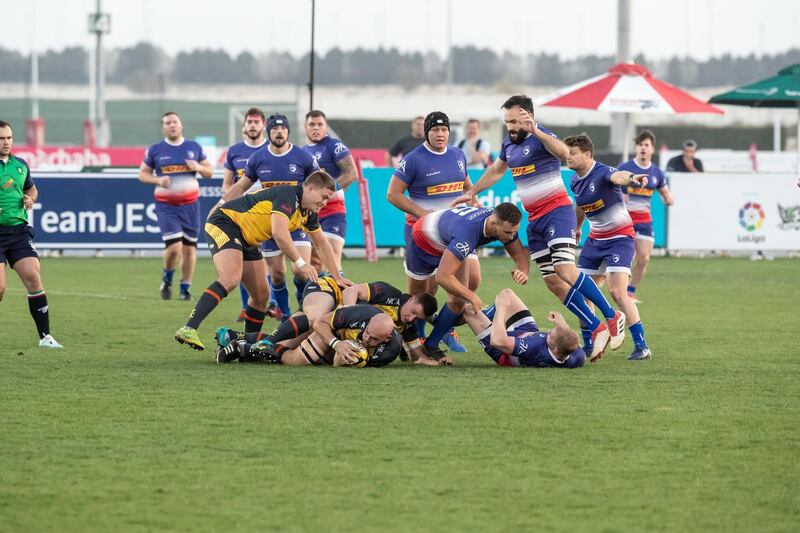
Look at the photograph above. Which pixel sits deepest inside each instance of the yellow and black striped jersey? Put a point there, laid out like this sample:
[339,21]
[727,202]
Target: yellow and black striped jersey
[349,323]
[390,299]
[252,212]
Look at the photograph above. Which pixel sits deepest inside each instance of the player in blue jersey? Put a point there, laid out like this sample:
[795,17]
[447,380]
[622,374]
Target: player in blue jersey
[440,244]
[253,139]
[332,156]
[608,252]
[638,201]
[172,165]
[433,174]
[282,163]
[534,155]
[509,335]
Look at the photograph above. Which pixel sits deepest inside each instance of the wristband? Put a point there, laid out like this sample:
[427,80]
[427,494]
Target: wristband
[221,201]
[300,263]
[334,341]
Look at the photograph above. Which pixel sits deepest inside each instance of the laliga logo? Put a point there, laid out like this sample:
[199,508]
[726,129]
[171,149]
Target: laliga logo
[751,216]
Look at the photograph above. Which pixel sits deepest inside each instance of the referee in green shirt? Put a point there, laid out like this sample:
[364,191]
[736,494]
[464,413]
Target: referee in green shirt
[17,194]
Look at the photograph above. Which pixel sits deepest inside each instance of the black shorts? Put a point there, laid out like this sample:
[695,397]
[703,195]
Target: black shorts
[16,243]
[324,284]
[222,233]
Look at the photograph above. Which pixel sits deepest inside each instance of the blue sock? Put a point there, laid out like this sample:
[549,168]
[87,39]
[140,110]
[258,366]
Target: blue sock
[444,322]
[299,285]
[489,312]
[420,328]
[282,297]
[166,276]
[185,286]
[637,332]
[631,289]
[244,295]
[272,299]
[586,286]
[575,303]
[586,333]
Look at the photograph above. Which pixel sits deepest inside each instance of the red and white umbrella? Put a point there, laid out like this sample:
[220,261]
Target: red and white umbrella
[628,88]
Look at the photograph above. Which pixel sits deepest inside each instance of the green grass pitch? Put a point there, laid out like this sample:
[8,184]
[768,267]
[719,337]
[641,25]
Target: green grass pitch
[125,430]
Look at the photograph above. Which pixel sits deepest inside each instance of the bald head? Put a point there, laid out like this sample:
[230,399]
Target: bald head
[379,329]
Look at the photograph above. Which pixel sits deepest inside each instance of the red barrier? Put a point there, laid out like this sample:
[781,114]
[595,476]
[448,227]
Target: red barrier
[366,215]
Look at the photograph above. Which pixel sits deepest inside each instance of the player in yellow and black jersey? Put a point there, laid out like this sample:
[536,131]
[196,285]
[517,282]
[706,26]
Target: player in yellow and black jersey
[233,232]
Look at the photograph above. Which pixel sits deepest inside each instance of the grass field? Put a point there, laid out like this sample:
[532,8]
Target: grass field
[124,430]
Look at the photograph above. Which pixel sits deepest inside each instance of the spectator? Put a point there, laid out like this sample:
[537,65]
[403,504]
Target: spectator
[686,162]
[405,144]
[477,150]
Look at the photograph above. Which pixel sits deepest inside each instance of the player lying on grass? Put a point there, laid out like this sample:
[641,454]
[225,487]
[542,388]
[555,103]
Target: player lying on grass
[234,232]
[358,335]
[509,335]
[324,295]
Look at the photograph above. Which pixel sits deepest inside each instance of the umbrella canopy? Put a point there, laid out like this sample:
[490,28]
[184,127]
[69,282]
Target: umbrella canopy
[628,88]
[778,91]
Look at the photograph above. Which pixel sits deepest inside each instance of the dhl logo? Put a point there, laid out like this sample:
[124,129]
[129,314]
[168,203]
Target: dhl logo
[599,204]
[175,169]
[268,184]
[519,171]
[641,191]
[444,188]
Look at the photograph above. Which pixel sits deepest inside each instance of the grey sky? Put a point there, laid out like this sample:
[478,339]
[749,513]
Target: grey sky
[661,28]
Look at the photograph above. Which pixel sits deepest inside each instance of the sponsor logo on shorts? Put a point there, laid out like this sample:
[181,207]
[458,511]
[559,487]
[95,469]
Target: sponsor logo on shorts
[444,188]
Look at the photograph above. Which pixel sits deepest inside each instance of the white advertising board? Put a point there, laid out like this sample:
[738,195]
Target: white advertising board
[734,212]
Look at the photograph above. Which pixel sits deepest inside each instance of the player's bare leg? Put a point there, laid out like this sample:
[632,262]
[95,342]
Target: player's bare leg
[3,282]
[473,267]
[618,287]
[298,277]
[644,248]
[317,304]
[337,246]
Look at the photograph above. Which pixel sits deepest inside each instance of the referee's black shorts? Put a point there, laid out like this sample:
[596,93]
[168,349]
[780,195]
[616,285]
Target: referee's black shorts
[222,233]
[16,242]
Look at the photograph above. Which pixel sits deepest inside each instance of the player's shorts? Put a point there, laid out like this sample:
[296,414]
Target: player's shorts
[556,227]
[407,236]
[178,221]
[644,231]
[270,248]
[607,255]
[334,226]
[419,264]
[324,284]
[16,242]
[222,233]
[526,324]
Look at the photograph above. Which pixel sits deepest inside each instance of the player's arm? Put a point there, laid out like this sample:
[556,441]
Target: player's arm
[348,167]
[625,177]
[238,189]
[345,353]
[204,167]
[395,195]
[323,248]
[489,177]
[580,216]
[29,195]
[521,259]
[354,293]
[447,279]
[282,236]
[146,176]
[419,357]
[227,180]
[666,195]
[498,337]
[557,319]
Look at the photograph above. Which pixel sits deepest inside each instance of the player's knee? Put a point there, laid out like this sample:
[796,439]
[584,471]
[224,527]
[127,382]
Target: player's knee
[619,294]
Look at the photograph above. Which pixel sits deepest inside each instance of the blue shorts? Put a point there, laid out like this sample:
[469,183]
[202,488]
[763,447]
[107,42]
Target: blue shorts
[178,221]
[270,248]
[526,325]
[644,231]
[407,228]
[557,226]
[609,255]
[334,226]
[419,264]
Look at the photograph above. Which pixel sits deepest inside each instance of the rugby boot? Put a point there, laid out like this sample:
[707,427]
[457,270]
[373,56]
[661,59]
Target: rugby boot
[187,335]
[616,327]
[640,354]
[600,340]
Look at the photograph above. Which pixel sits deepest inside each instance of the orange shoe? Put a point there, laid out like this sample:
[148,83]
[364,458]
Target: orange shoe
[616,327]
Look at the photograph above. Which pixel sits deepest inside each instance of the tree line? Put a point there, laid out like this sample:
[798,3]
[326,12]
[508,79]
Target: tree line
[149,69]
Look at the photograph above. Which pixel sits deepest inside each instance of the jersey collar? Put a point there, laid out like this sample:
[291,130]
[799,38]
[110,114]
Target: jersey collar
[594,164]
[636,162]
[320,142]
[280,155]
[182,140]
[255,145]
[431,150]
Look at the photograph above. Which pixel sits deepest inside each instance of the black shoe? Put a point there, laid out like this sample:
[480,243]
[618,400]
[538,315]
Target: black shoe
[264,352]
[166,290]
[227,354]
[434,353]
[185,296]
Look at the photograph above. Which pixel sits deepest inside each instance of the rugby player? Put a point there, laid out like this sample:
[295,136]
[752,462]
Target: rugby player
[440,244]
[172,165]
[433,174]
[253,139]
[609,249]
[282,163]
[534,155]
[510,336]
[327,343]
[637,200]
[332,156]
[17,196]
[234,232]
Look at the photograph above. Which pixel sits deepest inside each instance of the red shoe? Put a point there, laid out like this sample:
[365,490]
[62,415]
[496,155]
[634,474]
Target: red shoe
[273,311]
[633,298]
[600,339]
[616,326]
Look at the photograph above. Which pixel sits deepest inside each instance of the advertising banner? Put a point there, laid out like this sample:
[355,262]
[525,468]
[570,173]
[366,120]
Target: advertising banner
[734,212]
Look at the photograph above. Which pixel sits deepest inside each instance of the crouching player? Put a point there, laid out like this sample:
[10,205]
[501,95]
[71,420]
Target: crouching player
[608,252]
[510,336]
[329,343]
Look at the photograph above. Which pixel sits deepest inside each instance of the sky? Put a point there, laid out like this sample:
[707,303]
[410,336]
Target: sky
[661,28]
